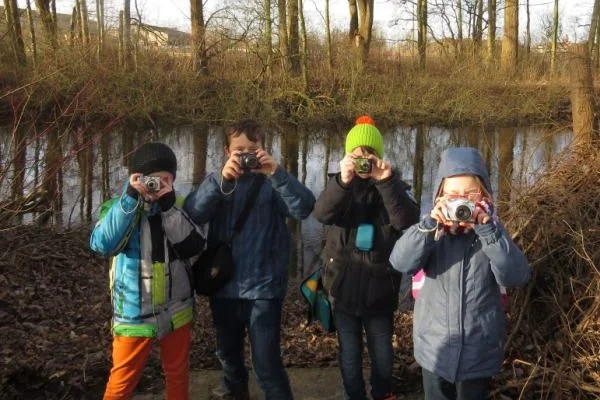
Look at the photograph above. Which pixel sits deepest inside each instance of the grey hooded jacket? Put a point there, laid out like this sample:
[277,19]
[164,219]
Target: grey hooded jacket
[459,325]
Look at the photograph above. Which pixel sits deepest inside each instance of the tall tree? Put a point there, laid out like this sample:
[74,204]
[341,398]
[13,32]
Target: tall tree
[491,29]
[593,24]
[127,43]
[328,29]
[32,32]
[478,25]
[268,37]
[459,24]
[293,36]
[100,28]
[365,27]
[353,31]
[200,63]
[84,24]
[304,41]
[48,24]
[554,38]
[510,41]
[13,19]
[528,29]
[73,26]
[283,34]
[585,125]
[422,32]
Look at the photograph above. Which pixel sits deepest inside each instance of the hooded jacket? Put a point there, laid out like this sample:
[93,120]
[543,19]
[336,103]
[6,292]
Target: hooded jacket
[459,326]
[261,250]
[363,282]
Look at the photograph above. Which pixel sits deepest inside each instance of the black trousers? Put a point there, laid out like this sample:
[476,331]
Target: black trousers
[437,388]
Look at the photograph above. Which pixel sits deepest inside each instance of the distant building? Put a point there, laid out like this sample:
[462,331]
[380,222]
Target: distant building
[160,36]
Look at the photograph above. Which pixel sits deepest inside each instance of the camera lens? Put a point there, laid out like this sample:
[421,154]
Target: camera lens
[251,162]
[463,213]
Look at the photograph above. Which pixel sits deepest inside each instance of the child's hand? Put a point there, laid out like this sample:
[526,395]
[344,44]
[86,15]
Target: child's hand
[480,215]
[380,169]
[440,211]
[268,165]
[347,168]
[138,185]
[232,169]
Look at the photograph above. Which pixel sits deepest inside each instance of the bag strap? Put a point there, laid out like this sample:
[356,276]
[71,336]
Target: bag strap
[251,199]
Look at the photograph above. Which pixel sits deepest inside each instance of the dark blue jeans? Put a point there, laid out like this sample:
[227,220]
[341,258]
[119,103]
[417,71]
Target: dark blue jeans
[262,319]
[381,353]
[437,388]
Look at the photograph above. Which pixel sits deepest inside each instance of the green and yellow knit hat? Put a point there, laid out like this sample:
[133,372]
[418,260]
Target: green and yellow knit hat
[364,133]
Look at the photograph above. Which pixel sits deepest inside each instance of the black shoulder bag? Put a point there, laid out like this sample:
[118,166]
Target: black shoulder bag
[214,267]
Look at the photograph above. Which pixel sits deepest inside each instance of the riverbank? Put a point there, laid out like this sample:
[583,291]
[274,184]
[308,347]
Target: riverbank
[161,91]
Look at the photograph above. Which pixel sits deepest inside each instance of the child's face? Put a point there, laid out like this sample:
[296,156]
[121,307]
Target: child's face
[242,144]
[464,186]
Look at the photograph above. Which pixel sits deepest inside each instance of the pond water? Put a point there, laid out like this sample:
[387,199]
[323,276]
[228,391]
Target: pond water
[515,157]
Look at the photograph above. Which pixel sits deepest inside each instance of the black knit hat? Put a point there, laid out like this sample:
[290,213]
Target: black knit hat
[153,157]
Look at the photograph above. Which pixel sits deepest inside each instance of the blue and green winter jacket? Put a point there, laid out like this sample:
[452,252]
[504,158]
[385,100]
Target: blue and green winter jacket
[261,251]
[459,327]
[152,248]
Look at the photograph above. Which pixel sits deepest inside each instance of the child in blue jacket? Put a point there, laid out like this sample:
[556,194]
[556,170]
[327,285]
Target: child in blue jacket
[459,323]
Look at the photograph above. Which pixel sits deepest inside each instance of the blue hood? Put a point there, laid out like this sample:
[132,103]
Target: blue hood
[461,161]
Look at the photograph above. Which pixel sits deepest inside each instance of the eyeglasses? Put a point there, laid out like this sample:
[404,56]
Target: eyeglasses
[474,195]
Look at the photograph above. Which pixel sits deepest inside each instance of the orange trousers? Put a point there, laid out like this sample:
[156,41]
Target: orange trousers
[130,355]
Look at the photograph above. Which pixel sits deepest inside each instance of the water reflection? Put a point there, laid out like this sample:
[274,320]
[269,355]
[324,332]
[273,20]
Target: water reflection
[78,169]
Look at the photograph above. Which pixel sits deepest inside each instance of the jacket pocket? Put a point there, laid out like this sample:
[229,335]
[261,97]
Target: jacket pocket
[493,326]
[381,288]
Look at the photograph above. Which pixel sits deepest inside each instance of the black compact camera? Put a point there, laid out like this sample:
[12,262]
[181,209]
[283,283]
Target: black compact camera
[152,183]
[249,161]
[363,165]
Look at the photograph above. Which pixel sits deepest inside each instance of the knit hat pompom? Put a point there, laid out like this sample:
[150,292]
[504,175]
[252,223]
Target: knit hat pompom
[365,119]
[365,134]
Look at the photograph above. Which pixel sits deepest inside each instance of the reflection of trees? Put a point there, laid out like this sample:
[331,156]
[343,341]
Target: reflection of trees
[19,150]
[419,163]
[506,141]
[200,144]
[487,147]
[52,180]
[290,150]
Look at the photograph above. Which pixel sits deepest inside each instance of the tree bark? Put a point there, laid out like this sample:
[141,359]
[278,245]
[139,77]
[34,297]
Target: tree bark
[100,29]
[510,41]
[491,29]
[268,38]
[422,32]
[304,41]
[32,33]
[293,36]
[13,19]
[121,38]
[365,28]
[459,24]
[48,24]
[528,30]
[585,126]
[200,64]
[328,28]
[593,25]
[554,39]
[353,31]
[84,19]
[283,35]
[128,45]
[478,25]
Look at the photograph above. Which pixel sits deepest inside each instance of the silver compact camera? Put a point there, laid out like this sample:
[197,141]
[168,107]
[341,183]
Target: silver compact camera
[460,210]
[152,183]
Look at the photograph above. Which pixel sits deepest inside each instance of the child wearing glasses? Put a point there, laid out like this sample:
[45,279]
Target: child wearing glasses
[459,326]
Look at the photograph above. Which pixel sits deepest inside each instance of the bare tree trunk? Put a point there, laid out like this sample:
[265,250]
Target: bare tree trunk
[283,35]
[554,39]
[84,18]
[585,126]
[293,36]
[304,41]
[198,37]
[43,7]
[528,31]
[419,163]
[459,34]
[13,19]
[510,41]
[353,32]
[593,24]
[491,30]
[79,22]
[121,39]
[478,25]
[328,28]
[73,26]
[422,33]
[53,15]
[597,48]
[365,28]
[32,33]
[268,37]
[100,28]
[128,45]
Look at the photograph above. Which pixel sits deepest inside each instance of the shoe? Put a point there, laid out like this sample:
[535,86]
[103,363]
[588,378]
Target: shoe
[239,392]
[222,391]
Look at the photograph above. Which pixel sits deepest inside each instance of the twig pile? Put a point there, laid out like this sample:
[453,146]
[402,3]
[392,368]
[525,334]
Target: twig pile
[554,348]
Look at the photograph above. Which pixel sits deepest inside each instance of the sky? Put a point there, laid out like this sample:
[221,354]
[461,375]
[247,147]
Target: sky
[575,15]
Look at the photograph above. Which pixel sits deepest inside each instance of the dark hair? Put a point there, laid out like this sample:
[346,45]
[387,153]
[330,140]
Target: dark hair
[249,127]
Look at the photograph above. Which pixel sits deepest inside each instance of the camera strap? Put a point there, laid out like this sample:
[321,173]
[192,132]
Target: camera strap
[250,200]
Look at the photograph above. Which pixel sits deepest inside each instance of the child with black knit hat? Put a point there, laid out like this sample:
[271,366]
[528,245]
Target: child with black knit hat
[151,241]
[365,207]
